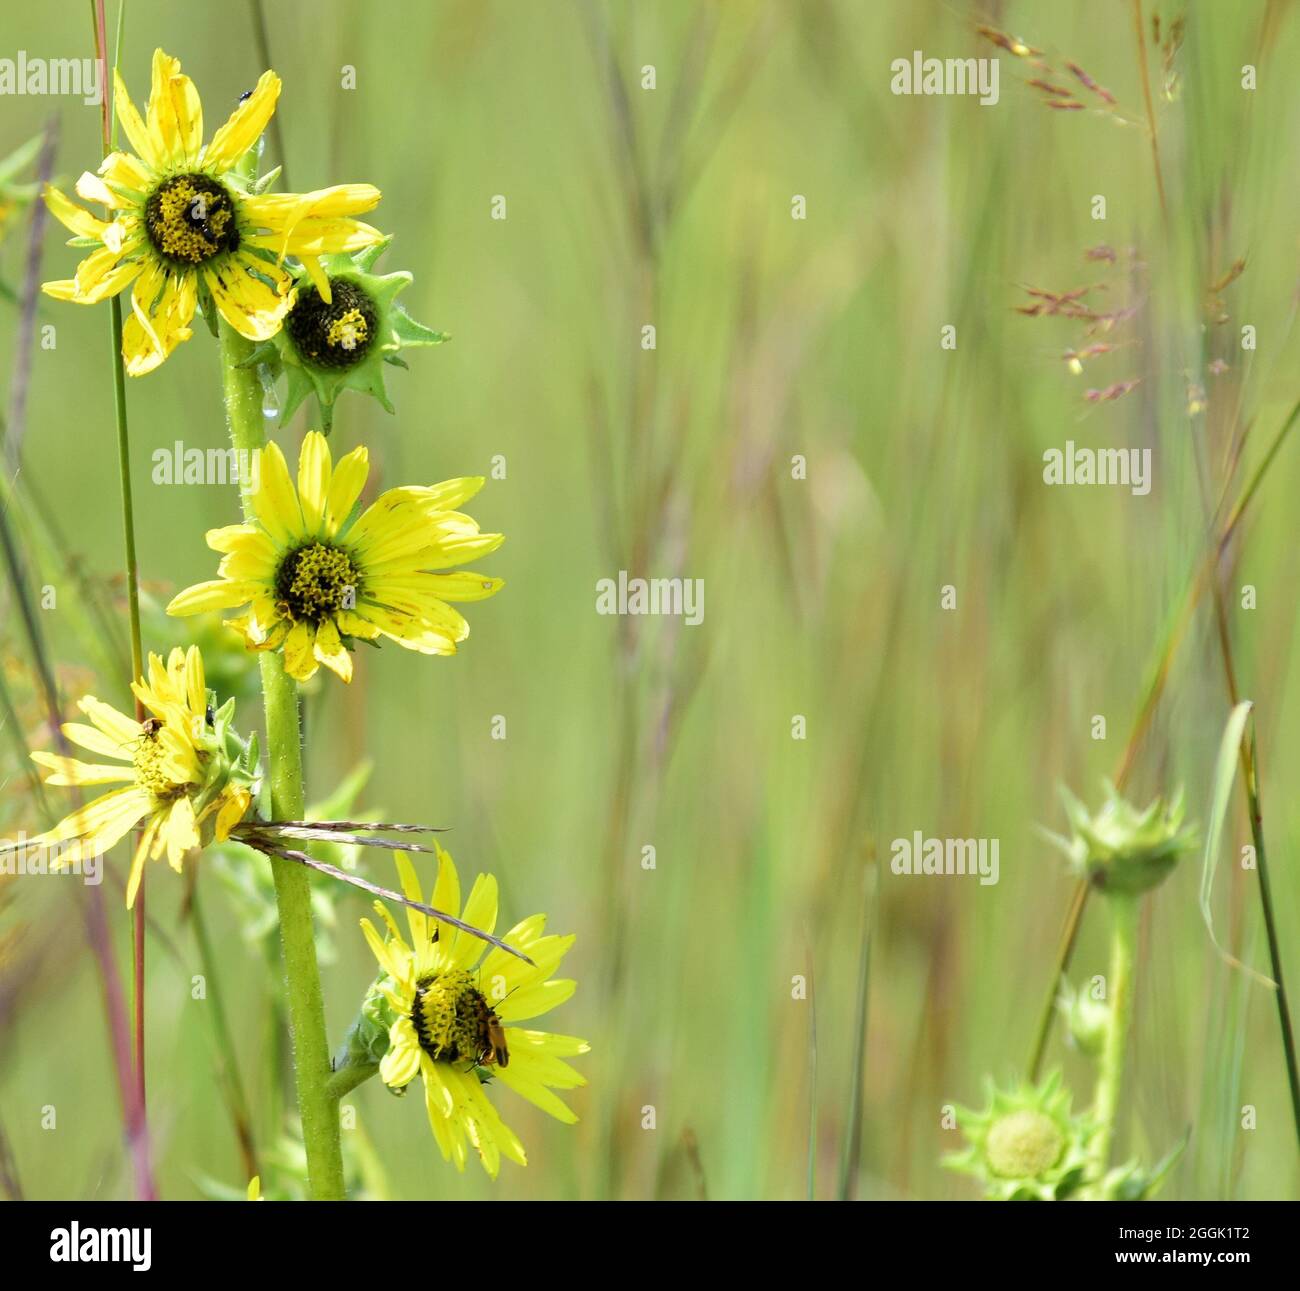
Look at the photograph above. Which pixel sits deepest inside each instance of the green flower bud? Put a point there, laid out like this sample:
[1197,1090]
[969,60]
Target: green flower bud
[1121,849]
[1025,1145]
[1085,1019]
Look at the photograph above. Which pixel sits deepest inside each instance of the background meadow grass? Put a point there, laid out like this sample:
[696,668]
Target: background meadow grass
[775,337]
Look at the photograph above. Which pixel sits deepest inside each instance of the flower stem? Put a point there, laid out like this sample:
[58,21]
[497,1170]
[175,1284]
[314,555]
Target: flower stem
[317,1107]
[346,1079]
[1110,1077]
[130,560]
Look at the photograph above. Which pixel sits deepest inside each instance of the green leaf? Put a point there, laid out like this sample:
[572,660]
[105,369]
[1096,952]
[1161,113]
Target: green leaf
[1225,774]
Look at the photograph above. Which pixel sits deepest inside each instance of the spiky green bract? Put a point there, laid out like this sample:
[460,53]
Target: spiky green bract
[1132,1182]
[1025,1145]
[312,365]
[1121,849]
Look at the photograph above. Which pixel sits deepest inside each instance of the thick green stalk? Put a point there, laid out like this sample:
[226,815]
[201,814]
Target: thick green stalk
[1110,1077]
[316,1105]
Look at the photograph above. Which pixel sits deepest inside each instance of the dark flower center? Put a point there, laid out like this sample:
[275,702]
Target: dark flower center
[190,219]
[454,1023]
[337,335]
[315,581]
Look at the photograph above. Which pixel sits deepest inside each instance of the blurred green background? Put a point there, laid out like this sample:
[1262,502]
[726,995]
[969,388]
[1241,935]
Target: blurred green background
[776,337]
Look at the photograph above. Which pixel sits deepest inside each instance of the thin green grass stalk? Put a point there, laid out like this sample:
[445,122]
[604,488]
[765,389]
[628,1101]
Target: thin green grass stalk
[240,1113]
[317,1106]
[9,1180]
[128,539]
[853,1131]
[812,1081]
[1119,989]
[262,37]
[1139,28]
[1250,772]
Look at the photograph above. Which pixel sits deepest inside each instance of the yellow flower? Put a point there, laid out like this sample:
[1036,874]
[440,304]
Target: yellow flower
[185,226]
[316,580]
[255,1188]
[175,775]
[455,1014]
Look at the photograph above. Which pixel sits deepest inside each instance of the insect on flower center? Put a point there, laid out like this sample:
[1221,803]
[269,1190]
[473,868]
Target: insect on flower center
[337,335]
[1023,1145]
[149,759]
[190,219]
[454,1022]
[314,582]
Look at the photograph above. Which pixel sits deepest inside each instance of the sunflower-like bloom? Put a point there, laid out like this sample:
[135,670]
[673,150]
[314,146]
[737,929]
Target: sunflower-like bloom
[453,1014]
[316,580]
[187,776]
[186,228]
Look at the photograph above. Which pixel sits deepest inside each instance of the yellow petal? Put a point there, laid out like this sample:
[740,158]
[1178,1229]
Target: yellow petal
[299,661]
[175,115]
[69,771]
[481,912]
[148,835]
[122,170]
[217,594]
[73,217]
[274,500]
[531,1001]
[247,121]
[345,488]
[416,920]
[254,308]
[101,823]
[115,725]
[130,121]
[314,469]
[535,1093]
[401,1064]
[330,651]
[446,897]
[162,306]
[182,832]
[232,811]
[97,742]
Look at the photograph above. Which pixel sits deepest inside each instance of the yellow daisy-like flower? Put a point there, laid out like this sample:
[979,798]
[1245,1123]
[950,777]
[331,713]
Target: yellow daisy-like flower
[315,579]
[184,223]
[455,1014]
[174,778]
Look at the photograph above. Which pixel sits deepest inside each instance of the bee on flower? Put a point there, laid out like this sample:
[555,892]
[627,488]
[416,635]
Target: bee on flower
[452,1015]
